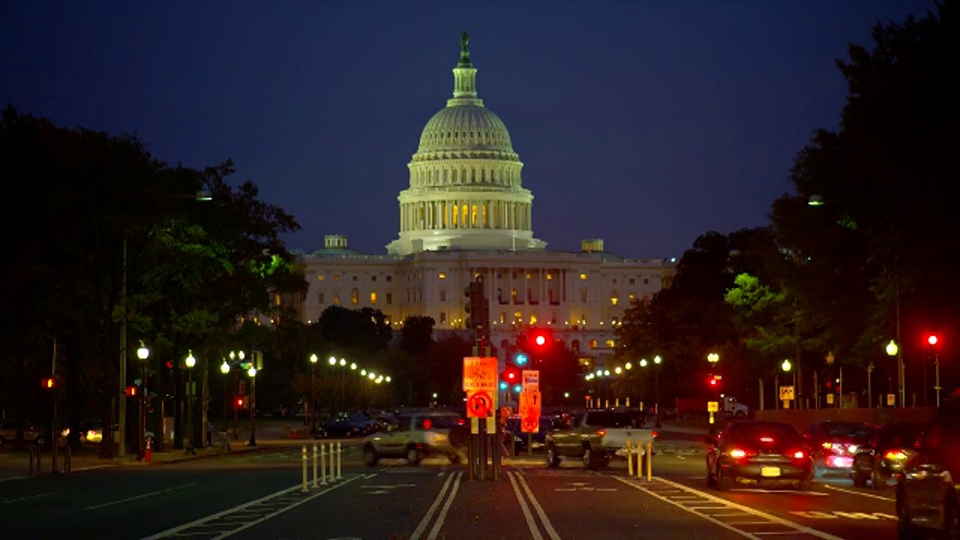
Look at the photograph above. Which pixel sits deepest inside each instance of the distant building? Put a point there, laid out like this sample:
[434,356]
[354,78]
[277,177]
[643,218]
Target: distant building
[466,215]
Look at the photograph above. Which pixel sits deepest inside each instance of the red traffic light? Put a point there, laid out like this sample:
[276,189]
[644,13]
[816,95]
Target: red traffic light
[510,375]
[130,391]
[540,340]
[932,340]
[713,382]
[239,402]
[47,383]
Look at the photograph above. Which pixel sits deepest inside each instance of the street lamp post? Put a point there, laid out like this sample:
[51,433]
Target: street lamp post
[225,370]
[142,353]
[235,359]
[894,350]
[656,387]
[787,366]
[190,361]
[313,399]
[252,372]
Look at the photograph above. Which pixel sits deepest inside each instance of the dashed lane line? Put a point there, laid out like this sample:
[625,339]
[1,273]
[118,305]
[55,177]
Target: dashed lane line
[854,492]
[138,497]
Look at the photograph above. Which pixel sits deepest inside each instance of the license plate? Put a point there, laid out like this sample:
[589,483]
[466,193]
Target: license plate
[769,472]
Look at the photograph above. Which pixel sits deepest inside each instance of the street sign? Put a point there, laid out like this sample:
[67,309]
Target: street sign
[480,404]
[479,374]
[530,411]
[891,400]
[713,406]
[531,379]
[786,393]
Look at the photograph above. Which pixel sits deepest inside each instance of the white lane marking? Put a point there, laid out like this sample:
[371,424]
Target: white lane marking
[758,513]
[389,486]
[92,467]
[228,513]
[527,516]
[442,516]
[27,498]
[775,491]
[138,497]
[422,526]
[547,526]
[13,478]
[853,492]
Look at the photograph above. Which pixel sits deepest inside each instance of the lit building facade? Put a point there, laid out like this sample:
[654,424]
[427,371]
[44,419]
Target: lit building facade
[465,215]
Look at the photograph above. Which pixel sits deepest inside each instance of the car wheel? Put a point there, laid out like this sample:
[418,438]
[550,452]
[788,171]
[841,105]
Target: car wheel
[553,460]
[860,479]
[414,455]
[370,457]
[588,462]
[906,530]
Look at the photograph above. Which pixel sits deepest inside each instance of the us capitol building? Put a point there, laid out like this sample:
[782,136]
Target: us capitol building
[466,215]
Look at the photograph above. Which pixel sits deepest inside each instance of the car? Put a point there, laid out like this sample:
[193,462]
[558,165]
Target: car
[519,439]
[31,433]
[834,443]
[595,436]
[928,496]
[416,436]
[883,456]
[92,432]
[340,426]
[759,452]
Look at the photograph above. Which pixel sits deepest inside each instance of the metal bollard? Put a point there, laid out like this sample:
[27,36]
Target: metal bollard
[650,462]
[314,464]
[629,459]
[323,464]
[339,459]
[303,459]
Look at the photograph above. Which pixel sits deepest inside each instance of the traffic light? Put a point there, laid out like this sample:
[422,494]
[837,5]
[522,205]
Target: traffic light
[713,382]
[477,318]
[539,340]
[47,383]
[131,391]
[510,376]
[521,359]
[239,402]
[933,340]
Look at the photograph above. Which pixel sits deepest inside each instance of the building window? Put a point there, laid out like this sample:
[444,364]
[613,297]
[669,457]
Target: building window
[553,317]
[389,279]
[646,281]
[611,344]
[529,276]
[336,277]
[632,281]
[443,295]
[355,278]
[373,298]
[276,299]
[575,346]
[443,317]
[583,296]
[549,277]
[321,277]
[336,299]
[503,317]
[373,278]
[614,281]
[513,295]
[320,299]
[355,297]
[442,275]
[614,298]
[517,317]
[583,277]
[389,298]
[632,297]
[593,344]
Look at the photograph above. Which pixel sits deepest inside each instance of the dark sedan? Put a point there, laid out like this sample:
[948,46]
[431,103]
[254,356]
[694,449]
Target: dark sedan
[928,496]
[758,452]
[884,455]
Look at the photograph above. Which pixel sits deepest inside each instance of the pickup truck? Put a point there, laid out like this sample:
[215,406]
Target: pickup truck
[595,436]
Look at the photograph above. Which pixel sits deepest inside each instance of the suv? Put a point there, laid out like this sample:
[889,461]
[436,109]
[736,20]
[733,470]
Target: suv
[8,432]
[416,436]
[927,491]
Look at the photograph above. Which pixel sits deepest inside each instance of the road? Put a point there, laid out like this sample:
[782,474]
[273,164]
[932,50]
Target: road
[259,495]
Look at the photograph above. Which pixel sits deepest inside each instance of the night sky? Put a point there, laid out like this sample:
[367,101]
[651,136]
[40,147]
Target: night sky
[645,123]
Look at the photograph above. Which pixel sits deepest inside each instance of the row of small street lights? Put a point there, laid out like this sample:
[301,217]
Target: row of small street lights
[333,362]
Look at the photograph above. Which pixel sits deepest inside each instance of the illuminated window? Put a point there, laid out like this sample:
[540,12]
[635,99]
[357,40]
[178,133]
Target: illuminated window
[593,344]
[614,299]
[583,277]
[276,299]
[336,299]
[529,276]
[503,317]
[575,345]
[321,277]
[513,295]
[443,317]
[373,298]
[549,277]
[336,277]
[611,344]
[517,316]
[354,297]
[614,321]
[533,319]
[442,275]
[632,297]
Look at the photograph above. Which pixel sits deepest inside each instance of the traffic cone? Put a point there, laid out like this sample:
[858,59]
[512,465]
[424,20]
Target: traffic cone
[149,453]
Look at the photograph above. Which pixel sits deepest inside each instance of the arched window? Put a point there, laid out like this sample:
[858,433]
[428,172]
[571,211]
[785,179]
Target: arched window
[355,297]
[614,298]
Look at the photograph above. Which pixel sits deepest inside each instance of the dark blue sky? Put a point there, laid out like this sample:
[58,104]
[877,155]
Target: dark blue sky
[646,123]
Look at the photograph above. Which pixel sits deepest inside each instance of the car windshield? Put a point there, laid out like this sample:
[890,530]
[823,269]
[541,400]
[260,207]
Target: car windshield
[610,419]
[846,429]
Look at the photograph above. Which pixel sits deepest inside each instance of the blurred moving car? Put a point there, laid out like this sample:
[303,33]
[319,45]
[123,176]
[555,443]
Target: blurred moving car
[31,433]
[759,452]
[416,436]
[520,439]
[834,443]
[91,432]
[883,456]
[928,496]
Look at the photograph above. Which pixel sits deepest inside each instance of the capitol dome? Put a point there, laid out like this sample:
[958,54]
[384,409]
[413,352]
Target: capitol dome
[466,190]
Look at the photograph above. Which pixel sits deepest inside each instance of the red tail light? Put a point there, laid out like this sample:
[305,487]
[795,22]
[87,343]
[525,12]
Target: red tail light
[461,421]
[895,454]
[602,432]
[766,439]
[653,434]
[737,453]
[799,454]
[826,445]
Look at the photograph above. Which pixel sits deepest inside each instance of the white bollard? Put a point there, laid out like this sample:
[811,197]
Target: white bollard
[314,464]
[323,464]
[303,459]
[629,459]
[333,466]
[339,459]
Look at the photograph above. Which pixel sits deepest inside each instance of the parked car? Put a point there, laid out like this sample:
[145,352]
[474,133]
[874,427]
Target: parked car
[340,426]
[885,454]
[417,436]
[928,496]
[31,433]
[759,452]
[834,443]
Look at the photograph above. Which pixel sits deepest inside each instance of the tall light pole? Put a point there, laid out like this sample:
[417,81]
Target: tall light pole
[786,366]
[190,361]
[142,353]
[894,350]
[252,372]
[235,358]
[225,370]
[656,385]
[313,399]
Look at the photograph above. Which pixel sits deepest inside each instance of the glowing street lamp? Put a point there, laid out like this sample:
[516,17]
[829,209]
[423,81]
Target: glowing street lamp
[190,361]
[143,353]
[313,398]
